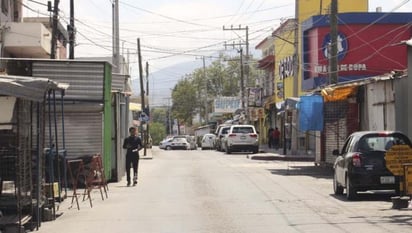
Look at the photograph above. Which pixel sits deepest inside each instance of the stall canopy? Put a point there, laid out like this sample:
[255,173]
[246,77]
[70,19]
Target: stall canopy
[28,88]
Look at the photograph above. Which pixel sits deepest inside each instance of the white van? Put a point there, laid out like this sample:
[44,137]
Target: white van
[208,141]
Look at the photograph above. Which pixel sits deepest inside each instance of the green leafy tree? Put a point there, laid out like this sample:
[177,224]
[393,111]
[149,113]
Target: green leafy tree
[185,101]
[196,92]
[158,132]
[159,115]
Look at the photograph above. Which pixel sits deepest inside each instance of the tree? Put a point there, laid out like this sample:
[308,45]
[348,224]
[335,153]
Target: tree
[159,115]
[158,132]
[196,91]
[185,101]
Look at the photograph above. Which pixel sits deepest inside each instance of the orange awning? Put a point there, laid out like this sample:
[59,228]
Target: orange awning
[338,93]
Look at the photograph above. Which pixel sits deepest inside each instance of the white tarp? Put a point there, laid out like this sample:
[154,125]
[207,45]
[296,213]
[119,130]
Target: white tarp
[7,108]
[28,88]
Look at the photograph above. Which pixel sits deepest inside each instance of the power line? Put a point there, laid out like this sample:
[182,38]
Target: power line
[165,16]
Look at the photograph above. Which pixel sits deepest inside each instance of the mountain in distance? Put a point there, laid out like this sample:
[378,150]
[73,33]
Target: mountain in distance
[162,82]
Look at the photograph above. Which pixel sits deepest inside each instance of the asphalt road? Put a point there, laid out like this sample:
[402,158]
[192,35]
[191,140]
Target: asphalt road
[211,192]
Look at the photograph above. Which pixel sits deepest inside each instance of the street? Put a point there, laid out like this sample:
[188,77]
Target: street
[209,191]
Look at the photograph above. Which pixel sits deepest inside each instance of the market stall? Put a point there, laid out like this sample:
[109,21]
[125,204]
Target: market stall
[24,102]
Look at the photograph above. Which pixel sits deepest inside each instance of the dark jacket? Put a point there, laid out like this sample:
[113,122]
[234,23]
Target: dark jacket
[133,144]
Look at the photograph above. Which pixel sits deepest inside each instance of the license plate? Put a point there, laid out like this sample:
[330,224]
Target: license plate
[243,137]
[387,179]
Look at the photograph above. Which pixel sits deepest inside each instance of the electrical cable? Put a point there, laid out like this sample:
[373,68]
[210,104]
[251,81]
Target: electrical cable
[165,16]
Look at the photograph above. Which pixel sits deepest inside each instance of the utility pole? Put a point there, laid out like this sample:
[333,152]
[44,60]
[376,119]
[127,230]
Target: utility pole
[148,109]
[54,29]
[242,78]
[142,93]
[333,53]
[71,30]
[246,29]
[205,80]
[206,118]
[116,42]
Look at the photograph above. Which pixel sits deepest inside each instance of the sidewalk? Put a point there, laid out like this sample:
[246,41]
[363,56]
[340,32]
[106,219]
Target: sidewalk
[266,153]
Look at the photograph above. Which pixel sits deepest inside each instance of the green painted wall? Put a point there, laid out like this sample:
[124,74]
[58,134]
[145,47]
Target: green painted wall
[107,121]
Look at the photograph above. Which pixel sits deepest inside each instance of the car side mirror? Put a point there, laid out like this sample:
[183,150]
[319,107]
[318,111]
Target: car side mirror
[335,152]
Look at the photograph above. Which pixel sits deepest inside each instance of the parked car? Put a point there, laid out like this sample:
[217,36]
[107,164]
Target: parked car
[164,142]
[175,144]
[208,141]
[361,165]
[222,131]
[190,139]
[241,138]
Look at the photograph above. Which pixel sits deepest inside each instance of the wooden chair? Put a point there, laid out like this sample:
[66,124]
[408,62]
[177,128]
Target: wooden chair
[75,169]
[95,178]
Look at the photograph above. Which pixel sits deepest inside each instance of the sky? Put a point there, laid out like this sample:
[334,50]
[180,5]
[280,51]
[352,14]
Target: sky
[177,31]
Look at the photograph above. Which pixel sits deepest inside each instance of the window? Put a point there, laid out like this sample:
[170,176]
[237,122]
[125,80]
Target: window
[242,130]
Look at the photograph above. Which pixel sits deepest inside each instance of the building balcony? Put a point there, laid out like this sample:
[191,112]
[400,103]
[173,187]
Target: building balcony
[266,63]
[26,40]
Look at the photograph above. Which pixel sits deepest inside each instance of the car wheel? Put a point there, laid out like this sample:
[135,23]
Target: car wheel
[337,189]
[398,190]
[168,147]
[350,190]
[228,151]
[255,151]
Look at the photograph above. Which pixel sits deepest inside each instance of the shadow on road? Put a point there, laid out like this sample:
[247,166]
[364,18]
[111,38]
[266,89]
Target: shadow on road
[302,170]
[368,196]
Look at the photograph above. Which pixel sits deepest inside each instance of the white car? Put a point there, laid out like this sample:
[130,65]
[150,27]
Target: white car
[190,139]
[208,141]
[164,142]
[175,144]
[242,138]
[222,131]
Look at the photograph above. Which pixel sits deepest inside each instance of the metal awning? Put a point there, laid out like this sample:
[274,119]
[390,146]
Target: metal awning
[28,88]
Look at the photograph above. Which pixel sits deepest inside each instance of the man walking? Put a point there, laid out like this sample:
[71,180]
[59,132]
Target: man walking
[133,144]
[276,137]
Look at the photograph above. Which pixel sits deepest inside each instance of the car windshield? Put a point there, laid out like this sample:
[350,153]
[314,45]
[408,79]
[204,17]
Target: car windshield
[380,142]
[180,140]
[225,130]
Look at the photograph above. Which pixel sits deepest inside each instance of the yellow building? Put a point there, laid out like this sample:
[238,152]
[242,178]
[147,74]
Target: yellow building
[285,72]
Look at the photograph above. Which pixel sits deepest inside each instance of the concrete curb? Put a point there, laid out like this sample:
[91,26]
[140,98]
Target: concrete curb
[149,154]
